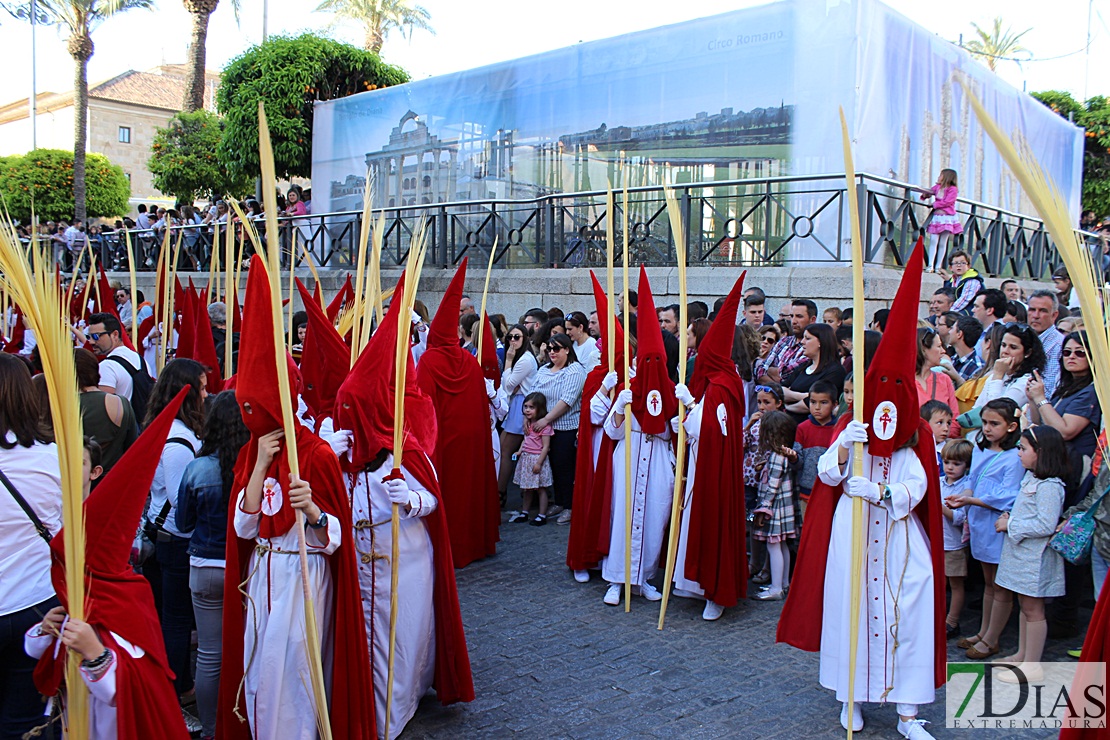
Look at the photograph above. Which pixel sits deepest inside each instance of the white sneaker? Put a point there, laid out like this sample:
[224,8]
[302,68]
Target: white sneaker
[687,594]
[582,576]
[712,611]
[564,518]
[857,717]
[613,595]
[650,593]
[914,729]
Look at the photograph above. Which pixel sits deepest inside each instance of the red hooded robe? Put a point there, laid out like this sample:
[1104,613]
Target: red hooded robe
[463,451]
[593,479]
[351,712]
[118,600]
[365,405]
[890,378]
[715,555]
[325,359]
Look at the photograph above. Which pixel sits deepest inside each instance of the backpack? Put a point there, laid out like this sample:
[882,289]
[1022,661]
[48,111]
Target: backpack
[141,386]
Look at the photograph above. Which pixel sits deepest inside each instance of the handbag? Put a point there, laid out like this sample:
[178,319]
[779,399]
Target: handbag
[1075,539]
[35,521]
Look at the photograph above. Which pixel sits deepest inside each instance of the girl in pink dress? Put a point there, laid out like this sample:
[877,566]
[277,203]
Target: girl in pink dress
[944,223]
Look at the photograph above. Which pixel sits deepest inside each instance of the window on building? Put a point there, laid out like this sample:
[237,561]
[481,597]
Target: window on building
[125,134]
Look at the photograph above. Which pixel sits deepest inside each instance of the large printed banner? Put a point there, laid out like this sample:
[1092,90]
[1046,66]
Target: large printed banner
[748,94]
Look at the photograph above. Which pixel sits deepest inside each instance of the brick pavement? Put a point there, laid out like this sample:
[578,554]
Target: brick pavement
[550,660]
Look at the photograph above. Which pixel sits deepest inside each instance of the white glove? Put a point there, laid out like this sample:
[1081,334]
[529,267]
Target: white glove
[623,399]
[682,393]
[340,441]
[856,431]
[674,424]
[398,491]
[609,382]
[490,390]
[860,487]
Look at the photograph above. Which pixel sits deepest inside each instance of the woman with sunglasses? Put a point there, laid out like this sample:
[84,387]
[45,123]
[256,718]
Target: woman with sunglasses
[561,381]
[1020,354]
[516,381]
[935,385]
[768,336]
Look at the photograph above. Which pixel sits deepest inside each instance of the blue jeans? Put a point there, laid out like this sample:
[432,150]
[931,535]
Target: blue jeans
[177,608]
[1099,566]
[21,705]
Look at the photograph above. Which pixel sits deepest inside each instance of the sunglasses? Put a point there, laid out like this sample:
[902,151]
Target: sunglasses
[515,337]
[94,336]
[553,350]
[768,389]
[768,339]
[1074,353]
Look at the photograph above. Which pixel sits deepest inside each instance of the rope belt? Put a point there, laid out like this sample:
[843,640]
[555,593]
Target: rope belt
[372,556]
[263,549]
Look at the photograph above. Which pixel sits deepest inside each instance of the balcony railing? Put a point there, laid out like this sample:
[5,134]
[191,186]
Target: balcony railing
[730,223]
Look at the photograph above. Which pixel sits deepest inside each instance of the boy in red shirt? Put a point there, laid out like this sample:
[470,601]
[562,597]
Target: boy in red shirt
[815,434]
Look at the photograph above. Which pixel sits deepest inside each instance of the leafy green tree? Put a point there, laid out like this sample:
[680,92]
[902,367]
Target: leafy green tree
[42,181]
[1094,116]
[186,159]
[290,75]
[996,45]
[379,17]
[79,18]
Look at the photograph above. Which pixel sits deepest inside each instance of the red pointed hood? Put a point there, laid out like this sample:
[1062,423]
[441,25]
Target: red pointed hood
[325,358]
[653,400]
[601,300]
[364,403]
[444,330]
[714,361]
[116,597]
[204,349]
[345,295]
[890,404]
[15,341]
[259,399]
[185,308]
[107,304]
[491,368]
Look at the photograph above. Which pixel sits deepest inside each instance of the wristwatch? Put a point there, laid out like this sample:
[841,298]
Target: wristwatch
[886,493]
[321,522]
[1042,402]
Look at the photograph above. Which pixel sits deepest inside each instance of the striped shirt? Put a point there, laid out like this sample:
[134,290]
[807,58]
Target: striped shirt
[1052,339]
[562,385]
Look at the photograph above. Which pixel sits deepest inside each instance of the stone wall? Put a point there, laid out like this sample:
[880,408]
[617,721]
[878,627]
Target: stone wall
[512,292]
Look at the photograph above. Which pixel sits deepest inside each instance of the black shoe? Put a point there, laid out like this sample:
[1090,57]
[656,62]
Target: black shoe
[539,521]
[950,630]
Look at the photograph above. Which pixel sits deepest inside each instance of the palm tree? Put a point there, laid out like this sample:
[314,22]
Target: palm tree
[996,45]
[379,17]
[195,81]
[80,18]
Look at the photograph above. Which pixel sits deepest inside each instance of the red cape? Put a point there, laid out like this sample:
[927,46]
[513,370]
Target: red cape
[352,706]
[1096,649]
[715,556]
[800,622]
[452,378]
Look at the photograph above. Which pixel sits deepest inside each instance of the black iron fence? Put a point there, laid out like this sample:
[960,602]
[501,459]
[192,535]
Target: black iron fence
[740,223]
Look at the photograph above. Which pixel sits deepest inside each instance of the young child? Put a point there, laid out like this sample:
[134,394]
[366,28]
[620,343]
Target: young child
[774,514]
[944,223]
[955,457]
[91,468]
[1029,567]
[832,317]
[768,398]
[847,396]
[938,416]
[533,470]
[814,436]
[993,485]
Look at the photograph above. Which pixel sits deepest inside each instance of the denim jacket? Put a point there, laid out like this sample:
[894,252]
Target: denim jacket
[202,508]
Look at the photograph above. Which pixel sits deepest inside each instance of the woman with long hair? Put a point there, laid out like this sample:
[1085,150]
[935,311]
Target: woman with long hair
[516,382]
[561,380]
[821,352]
[29,459]
[1020,354]
[168,569]
[202,504]
[934,386]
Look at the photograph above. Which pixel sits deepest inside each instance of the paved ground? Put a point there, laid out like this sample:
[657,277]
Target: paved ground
[550,660]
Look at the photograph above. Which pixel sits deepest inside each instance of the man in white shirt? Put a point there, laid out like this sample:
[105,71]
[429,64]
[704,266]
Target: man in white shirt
[104,330]
[123,305]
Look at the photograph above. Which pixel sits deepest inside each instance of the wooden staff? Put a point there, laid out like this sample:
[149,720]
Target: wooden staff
[315,275]
[627,430]
[610,295]
[213,273]
[311,637]
[674,211]
[408,297]
[485,294]
[88,288]
[171,301]
[73,279]
[133,278]
[856,568]
[372,303]
[360,273]
[231,287]
[292,293]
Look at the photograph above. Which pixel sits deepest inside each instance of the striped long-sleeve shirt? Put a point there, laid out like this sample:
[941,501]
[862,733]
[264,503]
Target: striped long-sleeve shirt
[562,385]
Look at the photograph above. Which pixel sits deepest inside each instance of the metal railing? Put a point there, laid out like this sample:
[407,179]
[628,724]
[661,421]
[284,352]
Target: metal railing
[735,223]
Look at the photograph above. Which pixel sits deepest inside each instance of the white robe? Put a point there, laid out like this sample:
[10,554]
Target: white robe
[414,662]
[693,434]
[276,683]
[102,692]
[652,491]
[896,541]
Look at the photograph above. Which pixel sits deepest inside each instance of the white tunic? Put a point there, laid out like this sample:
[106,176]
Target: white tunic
[652,491]
[414,662]
[898,593]
[693,433]
[278,697]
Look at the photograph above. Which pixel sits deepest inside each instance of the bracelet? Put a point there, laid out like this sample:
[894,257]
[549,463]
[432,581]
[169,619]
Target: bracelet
[100,660]
[1042,402]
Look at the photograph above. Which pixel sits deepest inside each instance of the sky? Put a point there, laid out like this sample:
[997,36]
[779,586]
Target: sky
[479,32]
